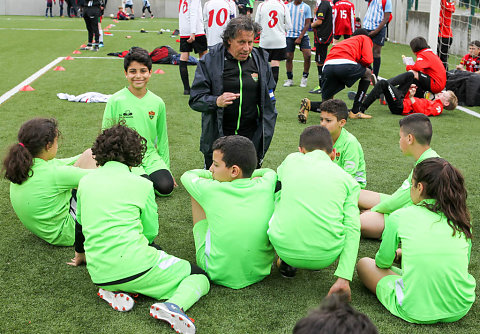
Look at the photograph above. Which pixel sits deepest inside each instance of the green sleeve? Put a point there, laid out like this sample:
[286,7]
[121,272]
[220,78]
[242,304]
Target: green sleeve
[68,177]
[79,210]
[108,116]
[351,222]
[352,162]
[399,199]
[390,240]
[197,182]
[149,217]
[67,161]
[162,135]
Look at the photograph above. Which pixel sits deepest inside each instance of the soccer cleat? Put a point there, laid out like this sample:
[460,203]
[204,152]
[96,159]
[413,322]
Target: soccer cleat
[304,109]
[95,48]
[286,270]
[119,301]
[351,95]
[288,83]
[143,16]
[373,79]
[382,100]
[358,115]
[101,45]
[174,315]
[88,47]
[303,82]
[316,90]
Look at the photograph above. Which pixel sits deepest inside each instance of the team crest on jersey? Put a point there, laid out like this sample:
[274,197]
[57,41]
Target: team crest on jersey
[337,155]
[151,114]
[255,77]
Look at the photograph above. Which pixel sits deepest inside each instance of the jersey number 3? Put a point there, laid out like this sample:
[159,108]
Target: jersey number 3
[220,18]
[274,18]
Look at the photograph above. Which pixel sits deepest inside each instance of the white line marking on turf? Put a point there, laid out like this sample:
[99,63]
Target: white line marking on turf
[29,80]
[468,111]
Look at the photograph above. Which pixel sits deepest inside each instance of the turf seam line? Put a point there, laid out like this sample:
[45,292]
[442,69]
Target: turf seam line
[29,80]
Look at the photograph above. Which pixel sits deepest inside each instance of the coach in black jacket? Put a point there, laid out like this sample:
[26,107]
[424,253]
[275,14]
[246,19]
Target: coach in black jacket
[233,88]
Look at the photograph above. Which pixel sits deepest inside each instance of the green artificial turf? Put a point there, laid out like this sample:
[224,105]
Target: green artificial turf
[41,294]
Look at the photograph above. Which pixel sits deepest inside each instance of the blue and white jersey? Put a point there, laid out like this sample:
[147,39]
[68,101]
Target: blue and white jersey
[375,14]
[298,14]
[146,3]
[129,2]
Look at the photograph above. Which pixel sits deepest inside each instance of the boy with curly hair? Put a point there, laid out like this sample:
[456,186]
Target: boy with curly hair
[119,219]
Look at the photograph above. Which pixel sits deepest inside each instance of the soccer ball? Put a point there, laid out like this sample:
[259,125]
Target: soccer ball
[112,16]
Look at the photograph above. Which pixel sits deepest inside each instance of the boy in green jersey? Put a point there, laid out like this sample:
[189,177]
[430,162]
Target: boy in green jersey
[231,241]
[143,111]
[119,219]
[316,218]
[348,151]
[435,234]
[415,136]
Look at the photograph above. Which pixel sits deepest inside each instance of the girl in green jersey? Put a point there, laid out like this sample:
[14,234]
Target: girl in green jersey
[435,235]
[40,189]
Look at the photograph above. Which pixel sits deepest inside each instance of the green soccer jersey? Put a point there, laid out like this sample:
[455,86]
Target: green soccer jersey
[435,283]
[118,214]
[238,252]
[349,156]
[401,197]
[147,116]
[42,202]
[316,214]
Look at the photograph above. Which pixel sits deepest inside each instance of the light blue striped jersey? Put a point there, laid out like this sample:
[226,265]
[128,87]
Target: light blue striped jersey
[375,13]
[146,3]
[298,15]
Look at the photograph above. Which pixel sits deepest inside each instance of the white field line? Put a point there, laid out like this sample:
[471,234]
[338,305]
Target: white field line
[468,111]
[29,80]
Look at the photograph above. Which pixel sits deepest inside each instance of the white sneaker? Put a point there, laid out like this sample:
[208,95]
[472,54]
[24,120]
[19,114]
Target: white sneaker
[303,82]
[288,83]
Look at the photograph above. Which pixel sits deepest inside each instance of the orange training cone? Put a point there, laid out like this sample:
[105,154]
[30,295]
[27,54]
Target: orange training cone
[76,52]
[26,88]
[159,71]
[69,58]
[59,68]
[83,45]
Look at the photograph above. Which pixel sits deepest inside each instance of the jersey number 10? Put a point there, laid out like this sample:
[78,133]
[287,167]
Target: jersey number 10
[220,18]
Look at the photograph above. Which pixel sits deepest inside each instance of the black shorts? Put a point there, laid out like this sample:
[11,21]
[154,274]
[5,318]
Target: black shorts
[276,54]
[199,44]
[337,37]
[379,38]
[336,77]
[321,53]
[128,6]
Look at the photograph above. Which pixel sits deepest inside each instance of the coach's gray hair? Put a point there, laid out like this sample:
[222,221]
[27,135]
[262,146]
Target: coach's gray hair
[237,24]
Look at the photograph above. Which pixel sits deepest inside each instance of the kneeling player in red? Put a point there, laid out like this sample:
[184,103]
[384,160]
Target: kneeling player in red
[119,219]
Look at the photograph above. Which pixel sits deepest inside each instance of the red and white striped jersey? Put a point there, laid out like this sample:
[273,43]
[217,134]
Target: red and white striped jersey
[190,18]
[216,15]
[274,17]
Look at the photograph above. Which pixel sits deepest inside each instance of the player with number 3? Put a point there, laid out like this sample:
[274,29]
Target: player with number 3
[275,20]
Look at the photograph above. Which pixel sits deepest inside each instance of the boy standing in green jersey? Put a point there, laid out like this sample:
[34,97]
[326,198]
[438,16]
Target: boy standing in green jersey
[348,151]
[231,241]
[119,219]
[143,111]
[415,136]
[316,218]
